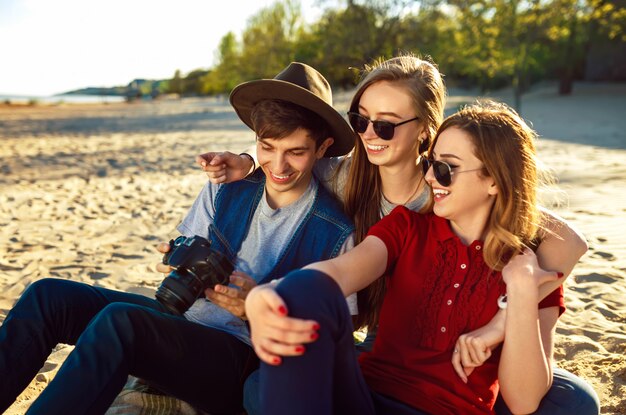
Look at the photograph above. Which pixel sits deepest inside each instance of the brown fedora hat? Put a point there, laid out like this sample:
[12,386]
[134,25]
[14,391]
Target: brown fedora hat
[302,85]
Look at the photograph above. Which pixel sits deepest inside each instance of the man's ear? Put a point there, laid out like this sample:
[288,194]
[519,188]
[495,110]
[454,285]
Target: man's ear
[323,147]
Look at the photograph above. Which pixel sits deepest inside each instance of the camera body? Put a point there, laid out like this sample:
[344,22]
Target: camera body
[196,268]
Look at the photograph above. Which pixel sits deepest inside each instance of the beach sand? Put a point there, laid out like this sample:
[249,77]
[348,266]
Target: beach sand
[87,192]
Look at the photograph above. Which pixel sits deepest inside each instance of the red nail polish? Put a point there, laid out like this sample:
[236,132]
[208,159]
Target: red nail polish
[276,360]
[559,274]
[316,326]
[282,310]
[300,349]
[314,336]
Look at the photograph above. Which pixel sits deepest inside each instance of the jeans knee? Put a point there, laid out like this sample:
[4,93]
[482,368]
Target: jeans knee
[311,294]
[572,394]
[116,320]
[46,287]
[44,295]
[569,394]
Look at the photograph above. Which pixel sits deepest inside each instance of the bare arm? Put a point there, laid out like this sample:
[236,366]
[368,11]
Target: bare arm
[357,268]
[560,249]
[525,370]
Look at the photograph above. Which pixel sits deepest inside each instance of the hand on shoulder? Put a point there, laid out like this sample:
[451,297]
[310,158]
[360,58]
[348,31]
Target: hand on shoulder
[225,167]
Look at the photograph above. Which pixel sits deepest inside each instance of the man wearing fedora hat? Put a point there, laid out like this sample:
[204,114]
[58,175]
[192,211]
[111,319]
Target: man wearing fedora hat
[276,220]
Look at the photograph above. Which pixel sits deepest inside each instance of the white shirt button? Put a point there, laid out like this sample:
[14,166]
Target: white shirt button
[456,285]
[449,302]
[463,266]
[443,329]
[478,247]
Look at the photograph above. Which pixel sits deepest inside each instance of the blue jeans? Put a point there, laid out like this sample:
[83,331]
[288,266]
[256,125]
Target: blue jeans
[569,394]
[327,378]
[116,334]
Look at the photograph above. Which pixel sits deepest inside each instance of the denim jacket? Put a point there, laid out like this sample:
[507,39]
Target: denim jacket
[320,235]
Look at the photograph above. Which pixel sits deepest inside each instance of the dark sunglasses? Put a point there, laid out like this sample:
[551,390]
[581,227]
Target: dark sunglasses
[442,170]
[383,129]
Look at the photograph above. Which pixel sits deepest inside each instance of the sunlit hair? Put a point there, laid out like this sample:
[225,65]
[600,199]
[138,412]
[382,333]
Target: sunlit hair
[505,145]
[278,119]
[363,192]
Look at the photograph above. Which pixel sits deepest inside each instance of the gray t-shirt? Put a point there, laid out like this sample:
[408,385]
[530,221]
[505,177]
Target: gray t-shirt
[269,228]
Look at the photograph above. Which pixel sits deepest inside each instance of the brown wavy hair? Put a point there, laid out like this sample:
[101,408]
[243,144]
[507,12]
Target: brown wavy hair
[506,146]
[363,191]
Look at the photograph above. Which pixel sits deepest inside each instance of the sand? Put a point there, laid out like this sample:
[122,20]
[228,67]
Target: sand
[87,192]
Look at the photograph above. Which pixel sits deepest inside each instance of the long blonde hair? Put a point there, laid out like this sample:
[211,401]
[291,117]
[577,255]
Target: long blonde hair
[363,190]
[505,145]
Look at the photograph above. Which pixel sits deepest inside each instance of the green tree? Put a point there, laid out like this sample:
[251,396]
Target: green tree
[175,85]
[499,42]
[517,40]
[225,75]
[346,39]
[430,32]
[192,83]
[269,39]
[488,43]
[586,26]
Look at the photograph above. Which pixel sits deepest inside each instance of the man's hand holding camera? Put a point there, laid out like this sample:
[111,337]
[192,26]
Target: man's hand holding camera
[163,248]
[232,298]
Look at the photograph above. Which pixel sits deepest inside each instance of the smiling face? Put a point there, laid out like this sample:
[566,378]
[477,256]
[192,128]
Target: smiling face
[390,102]
[288,165]
[467,201]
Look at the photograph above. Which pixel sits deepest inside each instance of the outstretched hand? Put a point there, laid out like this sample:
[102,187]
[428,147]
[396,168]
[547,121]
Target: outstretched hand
[224,167]
[232,298]
[274,334]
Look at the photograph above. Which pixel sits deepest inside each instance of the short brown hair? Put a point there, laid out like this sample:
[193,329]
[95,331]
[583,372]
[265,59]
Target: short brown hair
[277,119]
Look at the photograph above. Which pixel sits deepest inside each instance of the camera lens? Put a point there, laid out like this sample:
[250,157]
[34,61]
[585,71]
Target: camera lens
[178,292]
[198,267]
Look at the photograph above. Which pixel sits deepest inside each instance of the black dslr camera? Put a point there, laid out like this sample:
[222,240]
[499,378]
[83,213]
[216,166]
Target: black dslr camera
[196,268]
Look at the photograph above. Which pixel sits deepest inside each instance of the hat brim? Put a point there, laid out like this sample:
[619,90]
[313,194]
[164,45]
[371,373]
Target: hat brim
[245,96]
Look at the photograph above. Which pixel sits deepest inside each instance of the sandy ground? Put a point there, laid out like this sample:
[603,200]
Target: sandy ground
[87,191]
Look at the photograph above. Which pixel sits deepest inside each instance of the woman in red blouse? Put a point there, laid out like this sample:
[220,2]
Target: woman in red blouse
[449,273]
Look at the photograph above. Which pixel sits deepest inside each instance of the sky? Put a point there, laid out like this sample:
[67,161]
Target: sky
[53,46]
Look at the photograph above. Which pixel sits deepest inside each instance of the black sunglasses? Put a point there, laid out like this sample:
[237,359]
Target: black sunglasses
[442,170]
[383,129]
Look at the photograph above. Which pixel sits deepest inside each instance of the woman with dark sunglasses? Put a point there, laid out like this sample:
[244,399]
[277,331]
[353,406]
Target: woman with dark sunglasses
[396,110]
[448,272]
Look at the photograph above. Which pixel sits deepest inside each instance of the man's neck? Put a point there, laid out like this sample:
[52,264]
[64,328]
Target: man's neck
[278,200]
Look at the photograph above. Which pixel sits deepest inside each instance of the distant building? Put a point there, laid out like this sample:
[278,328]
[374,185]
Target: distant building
[606,62]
